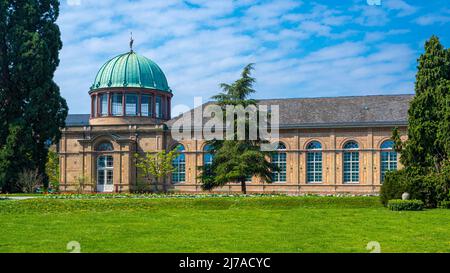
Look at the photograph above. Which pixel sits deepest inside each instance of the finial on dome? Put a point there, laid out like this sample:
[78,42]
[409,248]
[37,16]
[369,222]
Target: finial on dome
[131,41]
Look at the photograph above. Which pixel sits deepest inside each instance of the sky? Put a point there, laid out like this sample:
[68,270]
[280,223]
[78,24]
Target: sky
[300,48]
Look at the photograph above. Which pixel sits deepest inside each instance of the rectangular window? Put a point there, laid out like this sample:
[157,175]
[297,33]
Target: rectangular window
[117,106]
[351,167]
[104,104]
[146,105]
[279,159]
[314,167]
[388,162]
[131,106]
[158,107]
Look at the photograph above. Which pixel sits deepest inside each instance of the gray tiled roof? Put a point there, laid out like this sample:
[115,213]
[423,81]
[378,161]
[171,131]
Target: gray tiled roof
[77,120]
[340,111]
[324,112]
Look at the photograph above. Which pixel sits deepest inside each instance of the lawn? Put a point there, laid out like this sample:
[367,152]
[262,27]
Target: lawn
[219,224]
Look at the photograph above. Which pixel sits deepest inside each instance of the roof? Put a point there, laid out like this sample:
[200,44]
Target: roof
[389,110]
[77,120]
[382,110]
[130,70]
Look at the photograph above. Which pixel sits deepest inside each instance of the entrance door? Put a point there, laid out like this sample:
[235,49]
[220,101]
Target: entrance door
[105,173]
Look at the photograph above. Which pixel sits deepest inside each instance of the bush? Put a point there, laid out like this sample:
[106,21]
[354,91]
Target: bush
[398,205]
[28,181]
[445,204]
[394,185]
[432,188]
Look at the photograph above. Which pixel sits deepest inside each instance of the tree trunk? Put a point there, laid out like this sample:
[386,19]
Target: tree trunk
[243,186]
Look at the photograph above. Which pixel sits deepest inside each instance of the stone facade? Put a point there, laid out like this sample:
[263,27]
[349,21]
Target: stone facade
[131,113]
[78,156]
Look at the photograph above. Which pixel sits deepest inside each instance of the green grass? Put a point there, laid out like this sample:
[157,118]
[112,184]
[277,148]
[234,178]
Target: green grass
[230,224]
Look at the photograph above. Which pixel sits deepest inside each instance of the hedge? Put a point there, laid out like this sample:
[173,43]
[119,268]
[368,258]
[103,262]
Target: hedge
[398,205]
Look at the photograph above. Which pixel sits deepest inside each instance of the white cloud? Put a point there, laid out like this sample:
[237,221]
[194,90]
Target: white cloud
[401,6]
[73,2]
[201,43]
[431,19]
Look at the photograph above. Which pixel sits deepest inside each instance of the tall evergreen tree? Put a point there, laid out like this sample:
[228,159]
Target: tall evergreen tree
[427,146]
[30,99]
[235,160]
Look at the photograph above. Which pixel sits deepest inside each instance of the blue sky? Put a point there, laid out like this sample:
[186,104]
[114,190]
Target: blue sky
[300,48]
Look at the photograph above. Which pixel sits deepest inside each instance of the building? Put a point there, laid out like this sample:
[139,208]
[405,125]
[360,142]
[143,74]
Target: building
[326,145]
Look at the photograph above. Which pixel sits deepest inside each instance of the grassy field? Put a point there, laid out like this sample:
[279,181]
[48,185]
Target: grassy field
[229,224]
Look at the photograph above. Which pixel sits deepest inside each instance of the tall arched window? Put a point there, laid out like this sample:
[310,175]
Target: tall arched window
[351,162]
[314,162]
[279,160]
[388,158]
[179,163]
[207,155]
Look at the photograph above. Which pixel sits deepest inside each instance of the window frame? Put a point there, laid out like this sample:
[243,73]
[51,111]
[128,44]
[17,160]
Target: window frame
[352,152]
[180,160]
[314,152]
[279,153]
[390,153]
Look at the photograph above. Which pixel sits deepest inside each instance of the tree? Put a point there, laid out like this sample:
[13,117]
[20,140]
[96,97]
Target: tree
[52,169]
[428,143]
[235,160]
[30,100]
[154,166]
[426,152]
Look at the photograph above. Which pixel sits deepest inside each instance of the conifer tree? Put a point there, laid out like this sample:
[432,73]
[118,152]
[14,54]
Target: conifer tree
[30,99]
[427,146]
[235,160]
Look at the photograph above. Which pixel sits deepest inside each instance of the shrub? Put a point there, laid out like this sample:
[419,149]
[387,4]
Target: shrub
[431,189]
[28,181]
[398,205]
[445,204]
[394,185]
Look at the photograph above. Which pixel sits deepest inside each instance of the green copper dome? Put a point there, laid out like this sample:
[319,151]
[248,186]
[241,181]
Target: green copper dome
[131,70]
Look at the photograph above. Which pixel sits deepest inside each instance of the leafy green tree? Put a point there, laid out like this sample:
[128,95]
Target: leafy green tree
[154,166]
[235,160]
[29,98]
[52,169]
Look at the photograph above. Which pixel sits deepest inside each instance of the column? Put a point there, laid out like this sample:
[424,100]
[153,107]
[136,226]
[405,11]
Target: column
[139,113]
[123,104]
[169,107]
[154,105]
[109,103]
[98,105]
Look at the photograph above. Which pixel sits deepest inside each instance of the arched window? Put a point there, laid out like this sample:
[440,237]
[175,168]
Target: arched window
[388,158]
[279,160]
[351,162]
[207,155]
[314,162]
[104,146]
[179,163]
